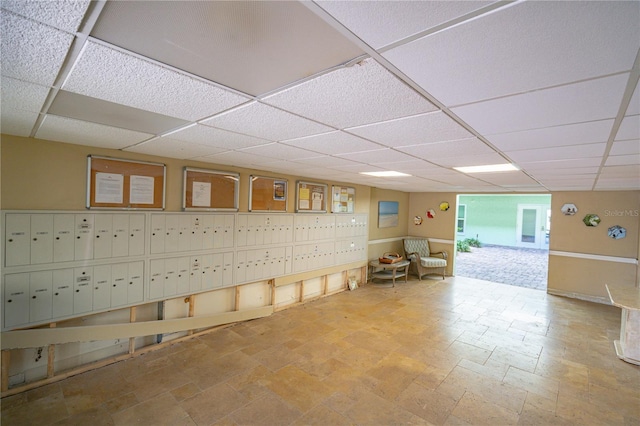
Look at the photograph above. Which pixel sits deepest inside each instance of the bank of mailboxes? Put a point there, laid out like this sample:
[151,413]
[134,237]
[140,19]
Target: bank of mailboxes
[261,264]
[39,287]
[55,294]
[32,239]
[261,229]
[189,274]
[172,233]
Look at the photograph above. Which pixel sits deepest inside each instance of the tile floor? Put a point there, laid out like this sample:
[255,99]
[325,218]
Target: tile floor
[459,351]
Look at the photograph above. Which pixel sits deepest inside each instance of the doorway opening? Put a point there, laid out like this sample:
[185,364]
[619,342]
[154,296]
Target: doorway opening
[504,238]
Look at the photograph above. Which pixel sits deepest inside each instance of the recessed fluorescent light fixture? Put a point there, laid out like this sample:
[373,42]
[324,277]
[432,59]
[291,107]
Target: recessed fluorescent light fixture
[488,168]
[384,174]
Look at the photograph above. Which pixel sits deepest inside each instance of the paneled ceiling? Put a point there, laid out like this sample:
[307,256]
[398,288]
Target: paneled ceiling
[330,89]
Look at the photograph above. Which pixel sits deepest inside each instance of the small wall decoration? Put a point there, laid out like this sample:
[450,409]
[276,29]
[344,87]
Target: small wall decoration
[591,219]
[431,213]
[444,206]
[569,209]
[617,232]
[388,214]
[417,220]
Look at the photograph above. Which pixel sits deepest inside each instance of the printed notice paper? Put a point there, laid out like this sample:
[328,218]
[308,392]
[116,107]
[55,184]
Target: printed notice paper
[109,188]
[141,190]
[201,194]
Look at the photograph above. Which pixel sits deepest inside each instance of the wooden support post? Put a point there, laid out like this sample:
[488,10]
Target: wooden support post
[6,358]
[51,356]
[237,298]
[363,275]
[302,291]
[273,293]
[345,279]
[192,308]
[325,285]
[132,340]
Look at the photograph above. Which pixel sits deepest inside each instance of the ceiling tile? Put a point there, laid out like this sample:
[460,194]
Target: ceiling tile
[571,134]
[80,107]
[23,96]
[205,135]
[83,133]
[234,158]
[634,104]
[324,161]
[145,85]
[524,38]
[272,43]
[560,172]
[414,130]
[558,153]
[558,165]
[337,142]
[31,51]
[618,183]
[174,148]
[433,151]
[625,147]
[463,160]
[356,167]
[263,121]
[506,178]
[63,15]
[377,157]
[587,101]
[380,23]
[281,152]
[623,160]
[622,171]
[15,122]
[366,92]
[629,128]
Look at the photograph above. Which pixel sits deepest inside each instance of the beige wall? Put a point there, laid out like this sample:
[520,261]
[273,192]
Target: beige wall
[585,278]
[44,175]
[383,240]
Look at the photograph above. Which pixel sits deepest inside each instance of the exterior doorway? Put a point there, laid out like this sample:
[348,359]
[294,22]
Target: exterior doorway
[504,238]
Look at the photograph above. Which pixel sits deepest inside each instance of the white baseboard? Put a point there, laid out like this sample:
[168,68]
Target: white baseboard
[571,295]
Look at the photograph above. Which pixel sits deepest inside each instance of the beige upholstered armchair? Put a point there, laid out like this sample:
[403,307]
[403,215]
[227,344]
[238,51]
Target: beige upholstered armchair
[417,251]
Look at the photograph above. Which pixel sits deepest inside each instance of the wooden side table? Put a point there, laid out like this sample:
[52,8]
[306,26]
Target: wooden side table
[389,271]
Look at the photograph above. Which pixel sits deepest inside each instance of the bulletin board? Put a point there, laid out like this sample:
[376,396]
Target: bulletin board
[210,190]
[311,197]
[343,199]
[267,194]
[125,184]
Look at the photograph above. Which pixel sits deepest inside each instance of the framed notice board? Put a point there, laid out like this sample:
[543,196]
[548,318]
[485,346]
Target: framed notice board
[125,184]
[311,197]
[267,194]
[210,190]
[343,199]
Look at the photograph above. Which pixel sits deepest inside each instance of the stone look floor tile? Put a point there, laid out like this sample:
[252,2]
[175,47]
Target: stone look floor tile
[452,352]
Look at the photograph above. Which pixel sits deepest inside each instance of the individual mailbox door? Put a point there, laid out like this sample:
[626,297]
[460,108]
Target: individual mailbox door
[120,239]
[227,270]
[63,236]
[82,290]
[119,284]
[156,279]
[183,275]
[257,226]
[229,230]
[268,230]
[241,230]
[62,300]
[208,231]
[196,232]
[207,272]
[16,299]
[241,266]
[103,231]
[158,233]
[195,274]
[136,234]
[83,247]
[184,232]
[288,260]
[101,287]
[172,233]
[170,277]
[40,302]
[41,238]
[135,293]
[17,239]
[218,269]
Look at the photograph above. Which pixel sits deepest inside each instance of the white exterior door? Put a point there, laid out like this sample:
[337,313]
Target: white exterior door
[533,224]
